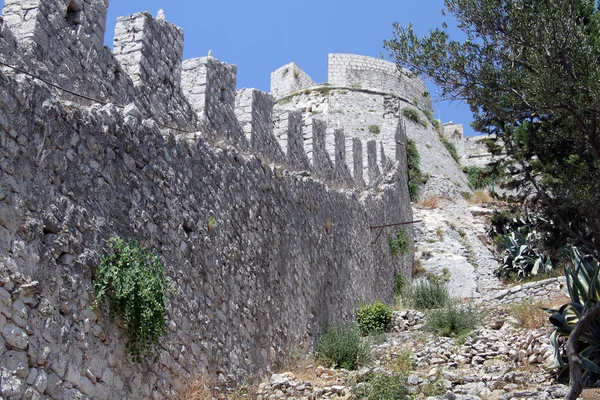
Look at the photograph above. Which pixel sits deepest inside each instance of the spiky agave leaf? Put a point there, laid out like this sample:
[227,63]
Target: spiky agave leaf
[583,287]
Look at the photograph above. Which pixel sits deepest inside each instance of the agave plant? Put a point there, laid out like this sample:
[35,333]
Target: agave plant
[521,260]
[583,287]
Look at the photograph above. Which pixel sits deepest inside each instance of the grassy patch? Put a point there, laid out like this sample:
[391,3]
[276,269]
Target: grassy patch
[453,320]
[425,295]
[382,386]
[342,346]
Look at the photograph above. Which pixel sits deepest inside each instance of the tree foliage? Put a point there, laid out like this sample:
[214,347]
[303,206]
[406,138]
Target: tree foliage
[530,72]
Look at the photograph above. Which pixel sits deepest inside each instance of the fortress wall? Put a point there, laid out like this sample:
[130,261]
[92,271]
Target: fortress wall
[262,249]
[288,79]
[285,256]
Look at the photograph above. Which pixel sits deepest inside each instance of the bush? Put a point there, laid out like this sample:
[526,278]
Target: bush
[375,129]
[427,294]
[133,283]
[382,387]
[374,318]
[414,170]
[453,320]
[342,346]
[451,149]
[400,243]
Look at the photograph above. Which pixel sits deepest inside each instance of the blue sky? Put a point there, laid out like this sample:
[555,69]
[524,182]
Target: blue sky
[262,35]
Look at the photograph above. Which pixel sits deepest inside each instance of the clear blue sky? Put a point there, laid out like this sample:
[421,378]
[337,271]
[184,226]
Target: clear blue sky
[262,35]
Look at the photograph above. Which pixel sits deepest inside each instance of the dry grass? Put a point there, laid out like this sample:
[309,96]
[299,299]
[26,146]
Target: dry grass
[206,389]
[530,314]
[308,370]
[481,197]
[430,203]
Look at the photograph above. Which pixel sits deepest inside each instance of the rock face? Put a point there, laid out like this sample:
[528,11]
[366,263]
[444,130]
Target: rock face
[262,227]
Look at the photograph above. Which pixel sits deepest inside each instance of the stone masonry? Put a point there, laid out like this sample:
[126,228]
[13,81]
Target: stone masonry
[262,222]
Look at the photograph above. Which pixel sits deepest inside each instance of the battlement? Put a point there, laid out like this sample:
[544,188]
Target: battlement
[146,68]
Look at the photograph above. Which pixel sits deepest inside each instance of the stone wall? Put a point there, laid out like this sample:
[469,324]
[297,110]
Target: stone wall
[262,246]
[288,79]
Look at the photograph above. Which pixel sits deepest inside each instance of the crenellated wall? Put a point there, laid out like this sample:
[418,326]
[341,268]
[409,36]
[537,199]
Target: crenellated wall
[261,220]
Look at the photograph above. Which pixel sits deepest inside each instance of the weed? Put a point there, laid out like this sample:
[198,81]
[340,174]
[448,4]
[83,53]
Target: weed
[466,195]
[133,283]
[285,100]
[342,347]
[413,115]
[531,314]
[374,318]
[435,387]
[426,295]
[325,91]
[414,170]
[439,233]
[399,284]
[418,269]
[432,240]
[374,129]
[451,149]
[403,363]
[356,86]
[400,243]
[453,320]
[211,223]
[382,387]
[296,74]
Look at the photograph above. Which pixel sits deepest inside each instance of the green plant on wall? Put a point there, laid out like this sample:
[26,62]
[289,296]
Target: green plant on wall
[415,177]
[374,129]
[451,148]
[412,114]
[132,282]
[399,243]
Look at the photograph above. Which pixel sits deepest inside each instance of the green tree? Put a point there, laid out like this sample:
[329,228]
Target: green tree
[530,72]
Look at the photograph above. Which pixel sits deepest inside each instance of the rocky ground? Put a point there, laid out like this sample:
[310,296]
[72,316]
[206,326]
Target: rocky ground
[502,359]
